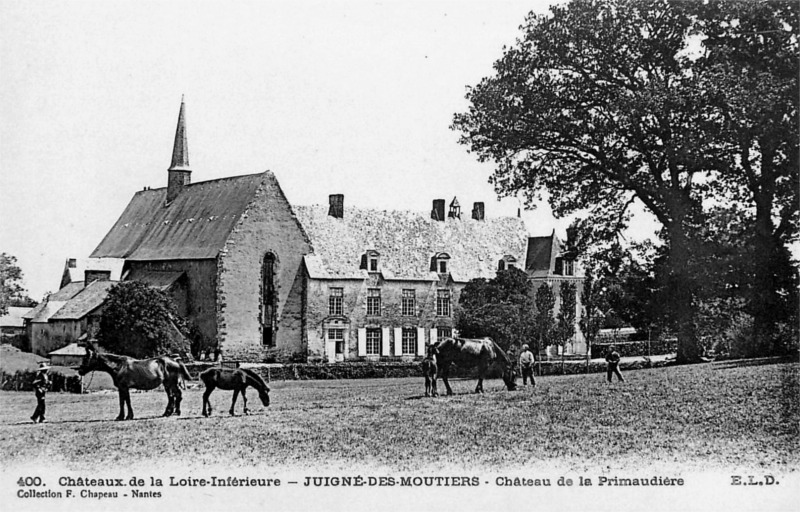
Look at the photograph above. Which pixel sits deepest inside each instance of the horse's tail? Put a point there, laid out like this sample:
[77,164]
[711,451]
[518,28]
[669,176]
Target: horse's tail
[258,378]
[182,370]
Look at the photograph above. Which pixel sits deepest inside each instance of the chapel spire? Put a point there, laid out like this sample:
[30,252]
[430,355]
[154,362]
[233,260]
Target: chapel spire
[179,172]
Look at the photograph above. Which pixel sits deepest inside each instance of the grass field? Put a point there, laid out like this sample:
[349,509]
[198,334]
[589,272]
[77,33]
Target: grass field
[702,417]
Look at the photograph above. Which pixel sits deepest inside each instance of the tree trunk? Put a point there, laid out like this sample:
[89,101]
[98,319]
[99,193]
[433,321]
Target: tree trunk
[682,288]
[764,299]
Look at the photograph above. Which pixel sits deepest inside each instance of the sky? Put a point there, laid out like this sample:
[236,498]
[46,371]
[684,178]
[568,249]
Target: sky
[350,97]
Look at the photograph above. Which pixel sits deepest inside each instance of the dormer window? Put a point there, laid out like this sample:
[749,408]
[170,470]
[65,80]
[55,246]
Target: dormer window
[455,209]
[440,263]
[370,261]
[507,262]
[565,267]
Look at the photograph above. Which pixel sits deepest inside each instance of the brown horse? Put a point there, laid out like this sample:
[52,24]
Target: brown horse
[235,379]
[430,370]
[465,353]
[128,373]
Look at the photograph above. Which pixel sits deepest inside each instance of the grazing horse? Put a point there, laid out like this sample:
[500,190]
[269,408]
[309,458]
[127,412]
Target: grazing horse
[235,379]
[472,352]
[128,373]
[429,370]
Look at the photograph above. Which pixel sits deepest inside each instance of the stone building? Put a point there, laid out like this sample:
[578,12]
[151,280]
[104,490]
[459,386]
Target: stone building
[268,280]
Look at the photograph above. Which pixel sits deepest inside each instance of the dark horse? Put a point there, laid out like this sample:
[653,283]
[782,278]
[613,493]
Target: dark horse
[430,370]
[235,379]
[128,373]
[466,353]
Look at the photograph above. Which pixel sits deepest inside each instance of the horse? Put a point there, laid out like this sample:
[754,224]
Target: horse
[480,352]
[430,370]
[235,379]
[128,373]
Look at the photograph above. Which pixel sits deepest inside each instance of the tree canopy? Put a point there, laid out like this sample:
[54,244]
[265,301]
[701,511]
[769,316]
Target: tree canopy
[611,102]
[501,308]
[140,321]
[11,290]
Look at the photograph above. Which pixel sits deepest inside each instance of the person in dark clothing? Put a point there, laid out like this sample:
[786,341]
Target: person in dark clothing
[41,383]
[612,358]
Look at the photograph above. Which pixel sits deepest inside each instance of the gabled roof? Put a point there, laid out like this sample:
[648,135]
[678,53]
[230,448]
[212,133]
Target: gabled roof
[195,225]
[89,299]
[54,302]
[406,242]
[15,317]
[542,252]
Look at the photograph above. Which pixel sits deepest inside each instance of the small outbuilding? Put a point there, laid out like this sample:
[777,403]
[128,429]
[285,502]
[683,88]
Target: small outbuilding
[69,356]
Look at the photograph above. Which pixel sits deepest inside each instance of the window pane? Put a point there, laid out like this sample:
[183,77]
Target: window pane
[443,332]
[409,340]
[373,342]
[409,303]
[443,303]
[373,301]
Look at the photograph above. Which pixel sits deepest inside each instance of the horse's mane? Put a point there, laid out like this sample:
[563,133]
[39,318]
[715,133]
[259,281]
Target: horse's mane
[257,377]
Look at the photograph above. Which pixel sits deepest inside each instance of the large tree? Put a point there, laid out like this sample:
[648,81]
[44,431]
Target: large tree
[750,67]
[501,308]
[602,103]
[140,321]
[10,282]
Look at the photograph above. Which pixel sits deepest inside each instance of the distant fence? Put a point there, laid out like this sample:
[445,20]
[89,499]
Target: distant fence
[637,348]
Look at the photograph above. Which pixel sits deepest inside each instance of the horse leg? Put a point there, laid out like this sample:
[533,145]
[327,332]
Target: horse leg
[128,401]
[235,396]
[170,400]
[207,402]
[121,393]
[244,400]
[433,385]
[178,398]
[445,373]
[427,385]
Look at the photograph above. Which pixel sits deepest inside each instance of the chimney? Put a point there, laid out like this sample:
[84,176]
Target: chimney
[72,263]
[336,208]
[438,209]
[478,212]
[179,172]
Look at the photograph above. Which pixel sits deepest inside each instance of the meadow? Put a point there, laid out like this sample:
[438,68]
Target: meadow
[712,416]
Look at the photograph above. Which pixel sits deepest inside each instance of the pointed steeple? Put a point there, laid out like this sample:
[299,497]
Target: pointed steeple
[179,172]
[180,150]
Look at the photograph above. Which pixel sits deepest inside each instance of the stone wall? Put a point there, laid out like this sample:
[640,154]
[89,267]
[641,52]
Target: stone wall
[355,316]
[267,226]
[199,289]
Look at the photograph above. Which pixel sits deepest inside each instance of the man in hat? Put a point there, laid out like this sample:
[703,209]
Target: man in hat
[526,365]
[40,384]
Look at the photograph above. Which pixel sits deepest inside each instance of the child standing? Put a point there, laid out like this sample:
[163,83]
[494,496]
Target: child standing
[40,385]
[526,365]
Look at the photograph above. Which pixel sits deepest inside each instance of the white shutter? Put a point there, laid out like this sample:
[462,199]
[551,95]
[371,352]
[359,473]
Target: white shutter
[420,341]
[385,341]
[346,354]
[362,342]
[398,341]
[434,335]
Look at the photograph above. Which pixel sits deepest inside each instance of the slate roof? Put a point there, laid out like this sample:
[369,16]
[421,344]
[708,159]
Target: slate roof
[195,225]
[83,303]
[541,256]
[14,317]
[406,242]
[54,302]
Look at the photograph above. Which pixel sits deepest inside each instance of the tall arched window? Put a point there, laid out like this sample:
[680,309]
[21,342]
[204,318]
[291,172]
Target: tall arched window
[269,323]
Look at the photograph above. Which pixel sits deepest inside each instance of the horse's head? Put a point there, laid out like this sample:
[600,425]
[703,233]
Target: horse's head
[90,361]
[263,394]
[510,376]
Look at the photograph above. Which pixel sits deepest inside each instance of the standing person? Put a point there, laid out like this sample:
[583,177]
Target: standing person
[40,385]
[526,365]
[612,358]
